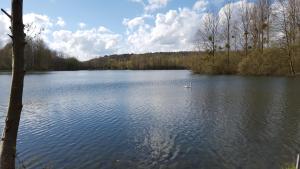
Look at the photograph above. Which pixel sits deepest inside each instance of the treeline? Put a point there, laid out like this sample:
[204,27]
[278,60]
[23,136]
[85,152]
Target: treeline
[273,61]
[260,37]
[251,37]
[38,57]
[148,61]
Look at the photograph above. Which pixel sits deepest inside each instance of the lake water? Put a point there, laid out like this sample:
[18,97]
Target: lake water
[148,120]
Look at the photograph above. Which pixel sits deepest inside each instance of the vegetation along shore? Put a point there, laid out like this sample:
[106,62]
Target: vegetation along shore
[263,40]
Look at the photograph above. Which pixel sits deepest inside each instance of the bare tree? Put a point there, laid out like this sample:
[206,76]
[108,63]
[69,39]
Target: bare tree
[254,27]
[261,13]
[268,8]
[33,33]
[246,20]
[286,26]
[298,15]
[208,34]
[236,36]
[292,12]
[9,137]
[264,12]
[228,17]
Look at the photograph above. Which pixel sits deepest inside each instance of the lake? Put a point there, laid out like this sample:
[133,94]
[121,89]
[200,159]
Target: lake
[148,120]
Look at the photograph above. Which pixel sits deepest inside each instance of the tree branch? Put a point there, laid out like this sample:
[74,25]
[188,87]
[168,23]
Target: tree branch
[8,15]
[12,38]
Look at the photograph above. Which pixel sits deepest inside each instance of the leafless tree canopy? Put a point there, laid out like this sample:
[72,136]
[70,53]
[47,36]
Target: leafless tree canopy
[256,26]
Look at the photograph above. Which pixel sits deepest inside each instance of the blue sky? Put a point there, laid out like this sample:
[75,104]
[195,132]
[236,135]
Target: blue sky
[115,26]
[109,13]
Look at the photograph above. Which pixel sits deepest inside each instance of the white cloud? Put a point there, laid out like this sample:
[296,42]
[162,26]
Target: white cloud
[236,25]
[4,29]
[86,44]
[135,22]
[200,5]
[83,44]
[152,5]
[81,25]
[172,31]
[38,20]
[235,7]
[37,23]
[60,22]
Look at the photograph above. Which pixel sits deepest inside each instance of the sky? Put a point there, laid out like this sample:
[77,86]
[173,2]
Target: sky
[88,29]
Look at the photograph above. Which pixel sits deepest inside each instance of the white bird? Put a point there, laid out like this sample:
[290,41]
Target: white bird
[188,86]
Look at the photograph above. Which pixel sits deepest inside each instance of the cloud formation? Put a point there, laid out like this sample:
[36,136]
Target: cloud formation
[152,5]
[87,43]
[81,25]
[173,30]
[200,5]
[60,22]
[34,23]
[155,4]
[4,30]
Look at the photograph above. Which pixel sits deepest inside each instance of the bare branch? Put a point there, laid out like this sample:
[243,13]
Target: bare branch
[10,36]
[8,15]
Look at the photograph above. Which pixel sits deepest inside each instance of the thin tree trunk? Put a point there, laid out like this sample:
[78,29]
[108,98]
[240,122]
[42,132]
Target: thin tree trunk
[9,137]
[228,42]
[246,44]
[262,40]
[292,70]
[213,52]
[261,23]
[268,32]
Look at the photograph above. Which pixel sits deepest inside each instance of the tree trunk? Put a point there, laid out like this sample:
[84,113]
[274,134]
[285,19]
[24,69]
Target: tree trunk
[246,44]
[228,42]
[261,24]
[292,69]
[213,51]
[9,137]
[262,40]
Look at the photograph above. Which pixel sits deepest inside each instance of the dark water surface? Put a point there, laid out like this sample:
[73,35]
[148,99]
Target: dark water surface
[147,119]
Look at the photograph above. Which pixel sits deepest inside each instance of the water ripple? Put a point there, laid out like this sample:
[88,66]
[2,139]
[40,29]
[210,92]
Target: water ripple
[147,120]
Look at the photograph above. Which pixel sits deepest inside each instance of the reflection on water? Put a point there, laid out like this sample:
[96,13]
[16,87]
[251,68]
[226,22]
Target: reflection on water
[147,119]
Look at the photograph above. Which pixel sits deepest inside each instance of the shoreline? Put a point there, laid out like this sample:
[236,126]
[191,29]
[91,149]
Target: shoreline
[191,71]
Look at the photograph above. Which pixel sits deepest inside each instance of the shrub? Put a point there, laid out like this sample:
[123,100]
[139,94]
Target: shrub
[271,62]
